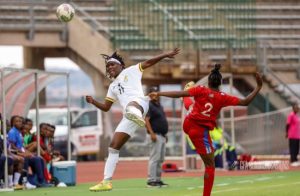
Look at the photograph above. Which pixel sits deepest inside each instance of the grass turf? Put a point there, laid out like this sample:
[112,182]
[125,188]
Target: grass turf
[279,183]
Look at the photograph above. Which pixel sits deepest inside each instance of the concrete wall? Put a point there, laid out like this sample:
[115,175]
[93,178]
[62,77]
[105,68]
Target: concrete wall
[41,39]
[274,97]
[88,43]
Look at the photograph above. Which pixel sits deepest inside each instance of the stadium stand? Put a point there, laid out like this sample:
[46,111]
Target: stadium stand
[244,35]
[232,33]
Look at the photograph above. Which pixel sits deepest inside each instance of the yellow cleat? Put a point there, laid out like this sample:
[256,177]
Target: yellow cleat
[18,187]
[105,185]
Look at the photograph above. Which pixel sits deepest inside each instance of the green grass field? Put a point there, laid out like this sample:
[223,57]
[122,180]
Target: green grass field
[279,183]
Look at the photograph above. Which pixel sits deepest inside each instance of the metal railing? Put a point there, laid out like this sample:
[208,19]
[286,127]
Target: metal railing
[173,22]
[97,26]
[32,26]
[285,88]
[262,62]
[169,15]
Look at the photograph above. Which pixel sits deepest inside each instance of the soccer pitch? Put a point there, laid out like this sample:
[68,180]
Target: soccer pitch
[279,183]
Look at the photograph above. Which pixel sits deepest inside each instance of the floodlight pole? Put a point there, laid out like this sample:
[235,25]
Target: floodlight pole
[232,114]
[37,117]
[183,141]
[4,130]
[69,116]
[223,138]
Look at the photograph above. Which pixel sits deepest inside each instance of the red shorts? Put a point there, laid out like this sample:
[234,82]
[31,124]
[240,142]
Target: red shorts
[199,135]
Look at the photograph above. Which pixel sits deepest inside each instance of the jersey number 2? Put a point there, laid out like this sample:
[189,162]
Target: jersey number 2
[208,108]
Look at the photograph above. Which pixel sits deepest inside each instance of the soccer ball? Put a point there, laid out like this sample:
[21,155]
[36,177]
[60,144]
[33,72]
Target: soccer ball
[65,12]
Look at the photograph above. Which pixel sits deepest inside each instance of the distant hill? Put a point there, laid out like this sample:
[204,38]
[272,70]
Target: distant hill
[80,85]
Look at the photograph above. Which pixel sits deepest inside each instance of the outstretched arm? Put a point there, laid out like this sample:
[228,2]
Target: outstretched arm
[187,102]
[251,96]
[150,62]
[102,106]
[172,94]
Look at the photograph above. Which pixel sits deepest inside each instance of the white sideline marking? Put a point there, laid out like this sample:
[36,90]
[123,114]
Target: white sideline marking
[190,188]
[276,185]
[245,181]
[223,184]
[263,179]
[220,191]
[264,187]
[226,190]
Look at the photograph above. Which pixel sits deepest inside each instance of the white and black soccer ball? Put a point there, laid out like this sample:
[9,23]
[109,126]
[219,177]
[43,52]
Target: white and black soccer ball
[65,12]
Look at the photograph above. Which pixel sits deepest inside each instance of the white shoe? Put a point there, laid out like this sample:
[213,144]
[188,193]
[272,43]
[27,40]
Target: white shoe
[295,164]
[135,115]
[61,184]
[29,186]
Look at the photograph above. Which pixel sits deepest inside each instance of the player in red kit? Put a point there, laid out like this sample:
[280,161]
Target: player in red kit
[206,107]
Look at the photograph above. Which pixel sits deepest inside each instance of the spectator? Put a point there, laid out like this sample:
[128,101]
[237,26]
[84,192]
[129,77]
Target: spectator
[56,155]
[157,127]
[293,134]
[26,131]
[217,139]
[220,144]
[2,161]
[16,145]
[43,147]
[18,153]
[15,162]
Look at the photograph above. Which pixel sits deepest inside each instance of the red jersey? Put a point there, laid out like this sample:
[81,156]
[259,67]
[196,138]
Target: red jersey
[187,102]
[42,143]
[208,104]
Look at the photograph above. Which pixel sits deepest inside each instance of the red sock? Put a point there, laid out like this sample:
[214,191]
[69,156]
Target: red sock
[209,177]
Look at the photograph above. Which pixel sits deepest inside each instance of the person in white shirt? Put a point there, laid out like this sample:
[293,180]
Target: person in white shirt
[127,89]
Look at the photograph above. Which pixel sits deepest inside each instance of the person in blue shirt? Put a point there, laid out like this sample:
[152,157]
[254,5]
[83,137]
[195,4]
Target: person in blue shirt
[15,146]
[30,160]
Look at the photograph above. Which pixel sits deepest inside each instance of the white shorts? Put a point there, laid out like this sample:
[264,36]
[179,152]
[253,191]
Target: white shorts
[143,102]
[127,126]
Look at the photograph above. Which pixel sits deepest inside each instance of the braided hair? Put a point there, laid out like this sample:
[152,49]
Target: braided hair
[115,55]
[215,77]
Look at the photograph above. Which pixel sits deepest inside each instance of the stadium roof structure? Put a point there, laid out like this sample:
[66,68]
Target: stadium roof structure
[19,88]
